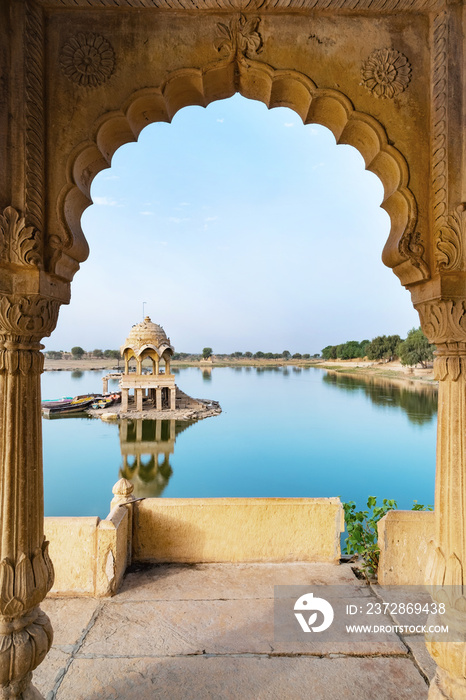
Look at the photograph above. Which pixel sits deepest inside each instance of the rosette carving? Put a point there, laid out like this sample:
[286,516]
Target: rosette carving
[239,37]
[449,242]
[386,73]
[87,59]
[19,244]
[33,317]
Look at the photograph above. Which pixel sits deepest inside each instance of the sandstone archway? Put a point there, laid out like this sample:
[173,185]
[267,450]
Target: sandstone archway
[275,88]
[82,77]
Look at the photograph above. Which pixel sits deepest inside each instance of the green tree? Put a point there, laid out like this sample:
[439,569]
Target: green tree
[97,353]
[416,349]
[54,354]
[248,354]
[77,351]
[329,352]
[383,347]
[286,354]
[306,356]
[297,356]
[111,354]
[259,354]
[206,353]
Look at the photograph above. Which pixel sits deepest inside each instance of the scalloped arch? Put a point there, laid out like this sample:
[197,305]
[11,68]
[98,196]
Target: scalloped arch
[275,88]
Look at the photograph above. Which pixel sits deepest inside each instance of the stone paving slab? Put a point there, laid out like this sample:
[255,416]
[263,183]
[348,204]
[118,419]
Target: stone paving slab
[220,581]
[207,632]
[216,678]
[416,643]
[169,628]
[46,675]
[69,617]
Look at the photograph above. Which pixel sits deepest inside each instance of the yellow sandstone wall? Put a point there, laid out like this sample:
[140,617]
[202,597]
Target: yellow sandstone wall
[237,530]
[403,537]
[89,555]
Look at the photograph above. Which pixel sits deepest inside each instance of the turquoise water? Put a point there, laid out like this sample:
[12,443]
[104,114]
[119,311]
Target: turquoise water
[282,432]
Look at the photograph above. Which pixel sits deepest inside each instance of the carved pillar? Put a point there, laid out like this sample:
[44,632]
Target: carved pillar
[444,323]
[26,572]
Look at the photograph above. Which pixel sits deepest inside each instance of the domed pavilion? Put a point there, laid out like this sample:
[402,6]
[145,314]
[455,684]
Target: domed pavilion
[148,340]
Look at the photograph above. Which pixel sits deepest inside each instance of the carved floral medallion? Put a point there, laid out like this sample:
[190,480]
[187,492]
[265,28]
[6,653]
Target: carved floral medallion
[240,36]
[87,59]
[386,73]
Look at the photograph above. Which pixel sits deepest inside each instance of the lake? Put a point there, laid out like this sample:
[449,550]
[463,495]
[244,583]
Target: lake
[283,432]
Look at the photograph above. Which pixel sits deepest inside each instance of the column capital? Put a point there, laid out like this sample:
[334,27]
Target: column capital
[444,323]
[25,320]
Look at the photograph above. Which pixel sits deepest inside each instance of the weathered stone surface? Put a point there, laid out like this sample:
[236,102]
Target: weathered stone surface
[237,530]
[213,581]
[240,678]
[69,617]
[47,674]
[244,626]
[417,645]
[403,538]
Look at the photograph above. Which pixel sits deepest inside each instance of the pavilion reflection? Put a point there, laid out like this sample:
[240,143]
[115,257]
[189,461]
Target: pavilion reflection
[146,447]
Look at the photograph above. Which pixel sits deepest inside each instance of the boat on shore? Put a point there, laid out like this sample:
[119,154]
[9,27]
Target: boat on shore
[67,406]
[79,404]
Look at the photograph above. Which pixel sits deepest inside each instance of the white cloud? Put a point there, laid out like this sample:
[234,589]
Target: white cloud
[146,213]
[105,201]
[288,124]
[220,121]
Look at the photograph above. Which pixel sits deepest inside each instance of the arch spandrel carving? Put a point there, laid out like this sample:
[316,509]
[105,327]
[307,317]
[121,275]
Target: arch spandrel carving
[276,88]
[143,82]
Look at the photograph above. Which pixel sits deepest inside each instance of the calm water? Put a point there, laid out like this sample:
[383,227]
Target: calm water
[283,432]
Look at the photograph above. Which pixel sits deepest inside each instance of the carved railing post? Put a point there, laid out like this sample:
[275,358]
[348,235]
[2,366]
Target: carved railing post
[26,572]
[444,323]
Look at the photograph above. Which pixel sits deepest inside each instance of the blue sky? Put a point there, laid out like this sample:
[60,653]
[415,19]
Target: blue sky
[241,229]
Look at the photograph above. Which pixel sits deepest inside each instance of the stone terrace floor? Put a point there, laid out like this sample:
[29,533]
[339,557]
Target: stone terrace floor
[206,632]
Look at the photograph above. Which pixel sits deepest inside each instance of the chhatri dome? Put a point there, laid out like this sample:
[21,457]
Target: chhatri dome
[147,341]
[147,335]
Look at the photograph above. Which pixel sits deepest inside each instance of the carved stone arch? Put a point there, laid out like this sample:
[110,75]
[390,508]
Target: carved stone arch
[275,88]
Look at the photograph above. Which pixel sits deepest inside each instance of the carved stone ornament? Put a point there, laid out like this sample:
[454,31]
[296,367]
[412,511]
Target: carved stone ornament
[449,242]
[240,36]
[386,73]
[443,321]
[32,317]
[19,244]
[87,59]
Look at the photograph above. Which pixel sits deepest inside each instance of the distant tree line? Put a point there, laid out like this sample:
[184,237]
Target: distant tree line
[415,349]
[77,352]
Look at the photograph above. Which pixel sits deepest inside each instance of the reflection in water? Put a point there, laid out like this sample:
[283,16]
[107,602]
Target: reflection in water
[419,401]
[207,374]
[76,374]
[146,446]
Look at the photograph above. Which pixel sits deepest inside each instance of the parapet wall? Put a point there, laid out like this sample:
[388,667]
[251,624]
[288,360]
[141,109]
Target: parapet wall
[90,555]
[237,530]
[403,538]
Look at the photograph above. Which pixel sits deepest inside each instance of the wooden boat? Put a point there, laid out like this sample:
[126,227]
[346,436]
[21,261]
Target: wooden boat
[67,406]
